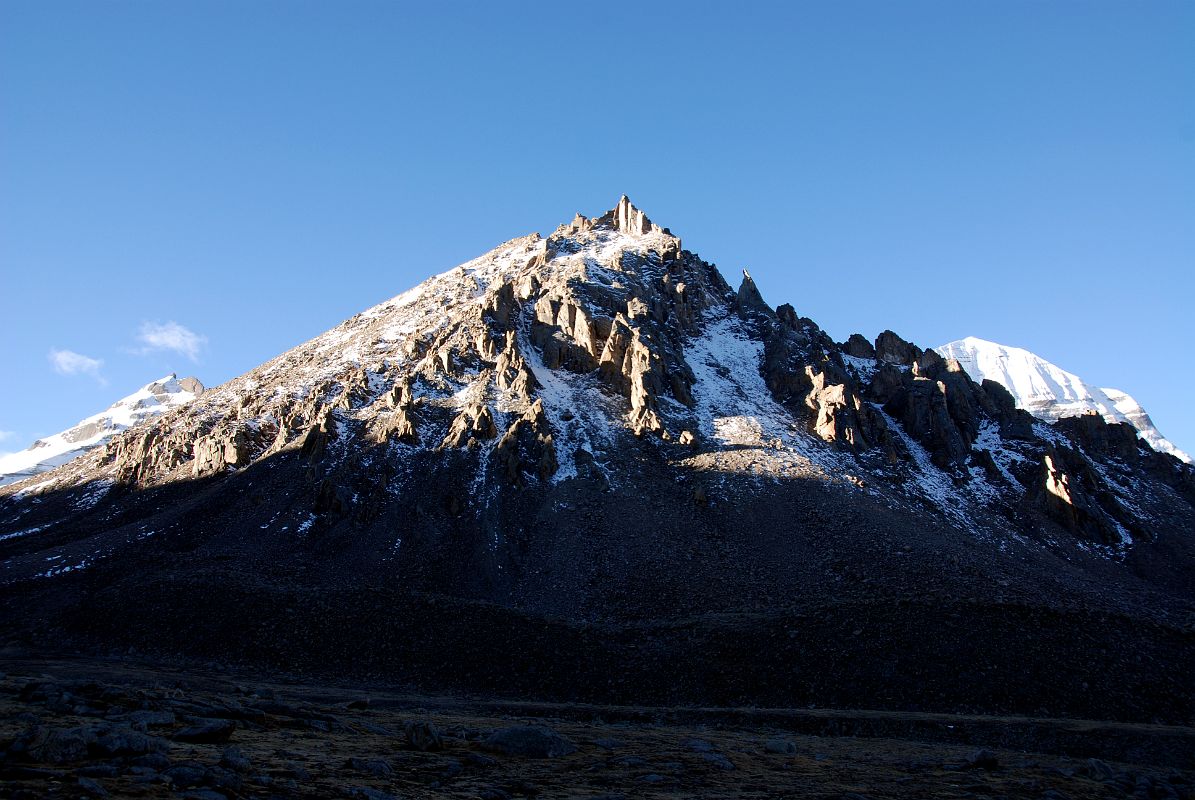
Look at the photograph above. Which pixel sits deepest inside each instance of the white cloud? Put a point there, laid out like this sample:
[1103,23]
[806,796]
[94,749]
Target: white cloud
[68,362]
[170,336]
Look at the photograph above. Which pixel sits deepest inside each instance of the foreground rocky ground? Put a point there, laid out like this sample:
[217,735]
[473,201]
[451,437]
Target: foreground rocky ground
[96,728]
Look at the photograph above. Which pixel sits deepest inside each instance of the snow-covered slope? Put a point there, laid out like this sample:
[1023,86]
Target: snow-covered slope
[148,401]
[1050,392]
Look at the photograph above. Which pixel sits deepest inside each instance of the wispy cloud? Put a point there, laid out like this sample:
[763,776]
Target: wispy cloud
[6,435]
[155,336]
[68,362]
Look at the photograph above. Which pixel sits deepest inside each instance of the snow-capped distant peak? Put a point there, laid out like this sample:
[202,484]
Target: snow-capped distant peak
[1050,392]
[149,401]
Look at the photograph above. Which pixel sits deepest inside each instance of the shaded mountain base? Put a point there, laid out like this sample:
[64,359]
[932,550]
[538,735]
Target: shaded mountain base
[960,657]
[90,727]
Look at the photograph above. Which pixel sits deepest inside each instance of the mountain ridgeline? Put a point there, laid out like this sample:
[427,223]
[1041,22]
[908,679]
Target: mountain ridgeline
[586,467]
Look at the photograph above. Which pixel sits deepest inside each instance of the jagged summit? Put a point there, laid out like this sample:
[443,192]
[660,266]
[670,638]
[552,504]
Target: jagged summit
[149,401]
[595,427]
[1050,392]
[623,218]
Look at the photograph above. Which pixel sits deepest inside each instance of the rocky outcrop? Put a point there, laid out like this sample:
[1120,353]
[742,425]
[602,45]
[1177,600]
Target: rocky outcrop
[920,406]
[625,218]
[750,301]
[891,349]
[840,415]
[399,425]
[228,446]
[630,365]
[474,424]
[527,447]
[1015,423]
[1071,492]
[858,347]
[318,436]
[1099,437]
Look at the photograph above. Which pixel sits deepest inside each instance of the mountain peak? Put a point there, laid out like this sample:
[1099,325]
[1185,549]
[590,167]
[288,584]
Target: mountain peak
[151,400]
[595,427]
[1049,392]
[626,218]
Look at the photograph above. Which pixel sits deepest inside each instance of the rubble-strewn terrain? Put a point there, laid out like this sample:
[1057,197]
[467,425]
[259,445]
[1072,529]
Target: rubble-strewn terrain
[94,729]
[585,468]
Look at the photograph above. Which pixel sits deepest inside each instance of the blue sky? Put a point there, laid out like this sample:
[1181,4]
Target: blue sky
[196,187]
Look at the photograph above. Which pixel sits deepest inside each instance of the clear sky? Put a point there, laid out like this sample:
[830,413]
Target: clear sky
[196,187]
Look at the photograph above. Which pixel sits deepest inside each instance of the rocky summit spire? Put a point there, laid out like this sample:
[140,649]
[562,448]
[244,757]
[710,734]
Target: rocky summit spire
[625,218]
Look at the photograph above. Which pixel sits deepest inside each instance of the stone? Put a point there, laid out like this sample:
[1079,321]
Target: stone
[422,736]
[153,761]
[149,719]
[207,731]
[91,787]
[204,794]
[368,793]
[982,759]
[372,766]
[99,771]
[1098,437]
[783,747]
[222,778]
[529,741]
[119,741]
[607,743]
[57,746]
[185,775]
[1015,423]
[51,746]
[480,761]
[234,759]
[492,793]
[717,760]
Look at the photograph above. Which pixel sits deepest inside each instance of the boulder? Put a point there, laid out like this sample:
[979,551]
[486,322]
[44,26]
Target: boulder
[207,731]
[529,741]
[422,736]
